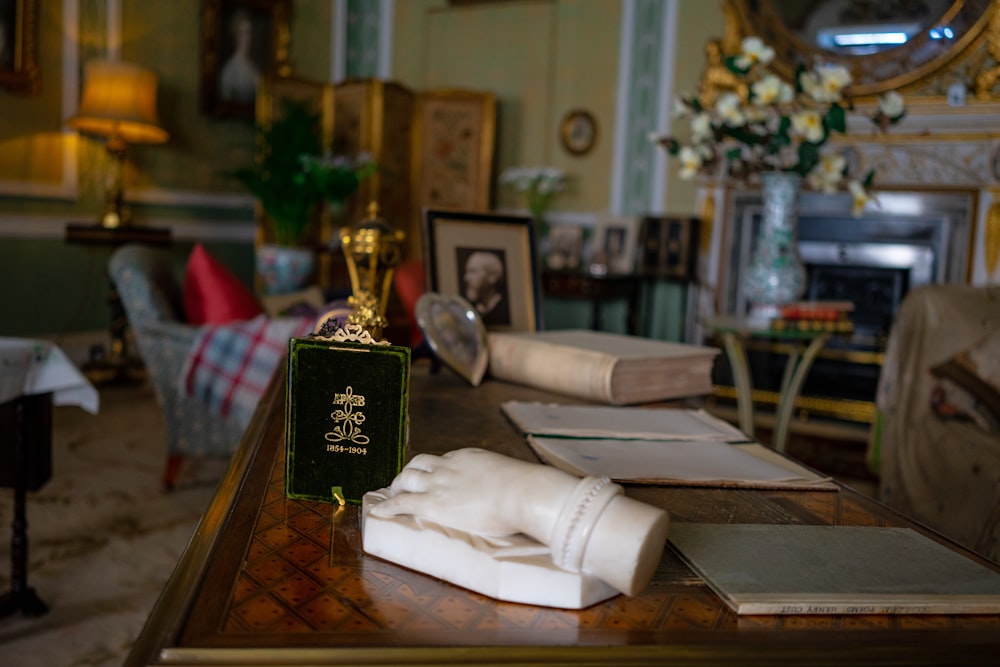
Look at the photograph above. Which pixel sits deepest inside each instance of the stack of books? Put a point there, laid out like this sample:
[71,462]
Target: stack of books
[832,316]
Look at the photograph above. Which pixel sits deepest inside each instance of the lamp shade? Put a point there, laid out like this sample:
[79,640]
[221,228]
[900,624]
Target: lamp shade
[119,101]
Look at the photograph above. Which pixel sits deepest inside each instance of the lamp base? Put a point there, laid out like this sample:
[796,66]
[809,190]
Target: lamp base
[116,213]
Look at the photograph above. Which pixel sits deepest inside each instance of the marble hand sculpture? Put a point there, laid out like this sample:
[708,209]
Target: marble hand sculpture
[588,525]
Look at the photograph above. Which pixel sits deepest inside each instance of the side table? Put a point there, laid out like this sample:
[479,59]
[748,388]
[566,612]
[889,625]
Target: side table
[806,345]
[119,365]
[34,375]
[597,289]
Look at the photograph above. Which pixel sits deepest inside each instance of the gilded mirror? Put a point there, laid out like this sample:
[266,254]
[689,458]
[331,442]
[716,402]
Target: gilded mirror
[886,44]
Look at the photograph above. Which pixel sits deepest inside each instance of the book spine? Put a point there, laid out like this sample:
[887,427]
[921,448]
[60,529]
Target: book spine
[949,604]
[557,368]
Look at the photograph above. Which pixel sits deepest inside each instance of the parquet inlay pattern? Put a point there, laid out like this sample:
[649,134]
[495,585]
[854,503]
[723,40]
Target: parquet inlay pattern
[305,573]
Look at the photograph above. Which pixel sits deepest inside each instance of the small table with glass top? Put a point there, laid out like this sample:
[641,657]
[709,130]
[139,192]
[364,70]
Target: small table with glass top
[805,346]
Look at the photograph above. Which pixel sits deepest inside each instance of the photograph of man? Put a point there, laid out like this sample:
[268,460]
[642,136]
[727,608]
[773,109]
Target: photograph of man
[239,74]
[483,276]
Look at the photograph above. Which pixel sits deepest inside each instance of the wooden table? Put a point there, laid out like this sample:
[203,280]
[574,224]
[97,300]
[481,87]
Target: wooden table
[267,580]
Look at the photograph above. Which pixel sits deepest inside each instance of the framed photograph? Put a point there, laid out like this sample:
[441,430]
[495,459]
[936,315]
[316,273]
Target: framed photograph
[578,132]
[19,46]
[242,40]
[668,247]
[564,247]
[489,260]
[615,243]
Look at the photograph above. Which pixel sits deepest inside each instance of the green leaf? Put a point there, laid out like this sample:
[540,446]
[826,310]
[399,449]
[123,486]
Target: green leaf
[836,119]
[733,67]
[868,179]
[808,157]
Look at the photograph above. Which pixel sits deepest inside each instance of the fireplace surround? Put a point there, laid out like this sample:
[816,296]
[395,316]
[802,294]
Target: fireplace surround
[912,237]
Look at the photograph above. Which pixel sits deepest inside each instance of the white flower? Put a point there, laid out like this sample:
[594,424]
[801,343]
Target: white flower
[808,125]
[701,127]
[691,161]
[771,90]
[754,51]
[859,197]
[826,175]
[728,108]
[891,104]
[826,83]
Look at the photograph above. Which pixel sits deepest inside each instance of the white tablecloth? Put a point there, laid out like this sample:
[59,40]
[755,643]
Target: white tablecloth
[29,367]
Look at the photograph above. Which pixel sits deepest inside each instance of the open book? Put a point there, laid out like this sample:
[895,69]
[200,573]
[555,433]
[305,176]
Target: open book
[655,446]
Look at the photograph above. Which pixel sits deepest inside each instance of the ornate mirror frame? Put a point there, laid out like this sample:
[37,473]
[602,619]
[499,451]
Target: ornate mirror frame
[916,68]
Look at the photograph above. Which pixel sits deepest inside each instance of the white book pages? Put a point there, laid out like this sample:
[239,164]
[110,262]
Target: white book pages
[600,421]
[681,462]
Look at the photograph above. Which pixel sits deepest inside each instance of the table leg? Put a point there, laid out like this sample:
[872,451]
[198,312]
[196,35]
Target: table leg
[795,374]
[21,597]
[733,344]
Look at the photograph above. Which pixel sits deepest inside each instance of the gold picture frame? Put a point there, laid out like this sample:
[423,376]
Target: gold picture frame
[454,243]
[242,41]
[578,132]
[19,70]
[454,137]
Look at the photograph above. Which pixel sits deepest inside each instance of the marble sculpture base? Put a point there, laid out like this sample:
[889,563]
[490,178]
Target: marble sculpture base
[513,569]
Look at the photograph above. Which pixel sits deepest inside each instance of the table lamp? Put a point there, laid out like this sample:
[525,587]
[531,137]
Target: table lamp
[119,103]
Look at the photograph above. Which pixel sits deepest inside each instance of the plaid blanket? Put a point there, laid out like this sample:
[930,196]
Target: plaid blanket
[230,365]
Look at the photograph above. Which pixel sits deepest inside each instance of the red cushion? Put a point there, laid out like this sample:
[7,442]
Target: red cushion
[213,294]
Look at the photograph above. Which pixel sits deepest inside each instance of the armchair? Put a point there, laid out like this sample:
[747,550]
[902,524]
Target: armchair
[151,296]
[935,446]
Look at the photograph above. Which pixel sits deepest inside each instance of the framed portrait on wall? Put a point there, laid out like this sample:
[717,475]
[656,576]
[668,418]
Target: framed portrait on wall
[19,46]
[242,40]
[489,260]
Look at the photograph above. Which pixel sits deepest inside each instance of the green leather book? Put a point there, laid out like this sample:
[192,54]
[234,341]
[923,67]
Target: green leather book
[345,418]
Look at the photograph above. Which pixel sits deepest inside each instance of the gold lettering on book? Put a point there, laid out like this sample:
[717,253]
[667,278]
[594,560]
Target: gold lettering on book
[347,423]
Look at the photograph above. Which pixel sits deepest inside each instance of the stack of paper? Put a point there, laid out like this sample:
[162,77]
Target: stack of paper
[655,446]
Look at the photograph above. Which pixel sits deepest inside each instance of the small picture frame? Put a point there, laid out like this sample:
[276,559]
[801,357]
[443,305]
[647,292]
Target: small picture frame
[489,260]
[242,41]
[19,71]
[668,247]
[564,247]
[615,242]
[578,132]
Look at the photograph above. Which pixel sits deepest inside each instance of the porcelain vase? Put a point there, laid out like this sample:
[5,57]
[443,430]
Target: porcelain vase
[284,269]
[776,275]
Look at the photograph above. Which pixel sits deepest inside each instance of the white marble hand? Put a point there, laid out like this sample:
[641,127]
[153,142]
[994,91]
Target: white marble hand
[587,524]
[479,492]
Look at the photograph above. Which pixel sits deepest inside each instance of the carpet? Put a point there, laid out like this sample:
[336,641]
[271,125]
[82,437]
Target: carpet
[103,538]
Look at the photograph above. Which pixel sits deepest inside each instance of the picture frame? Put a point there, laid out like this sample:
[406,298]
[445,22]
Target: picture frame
[455,138]
[668,247]
[564,247]
[578,132]
[242,41]
[616,242]
[489,260]
[19,71]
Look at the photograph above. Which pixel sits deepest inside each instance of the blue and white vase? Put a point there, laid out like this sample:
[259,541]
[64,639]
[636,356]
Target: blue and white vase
[284,269]
[776,275]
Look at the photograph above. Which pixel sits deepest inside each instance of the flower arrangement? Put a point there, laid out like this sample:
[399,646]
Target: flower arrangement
[293,174]
[540,185]
[776,126]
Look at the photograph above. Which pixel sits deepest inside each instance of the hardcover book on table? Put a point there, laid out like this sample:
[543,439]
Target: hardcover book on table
[801,569]
[345,418]
[618,369]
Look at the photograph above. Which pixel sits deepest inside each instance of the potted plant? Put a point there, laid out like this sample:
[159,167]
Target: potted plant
[291,177]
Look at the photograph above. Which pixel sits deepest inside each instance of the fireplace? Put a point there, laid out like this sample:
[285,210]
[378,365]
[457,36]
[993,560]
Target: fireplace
[911,239]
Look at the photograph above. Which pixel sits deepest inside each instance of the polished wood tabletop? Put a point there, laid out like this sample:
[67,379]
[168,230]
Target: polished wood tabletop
[270,580]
